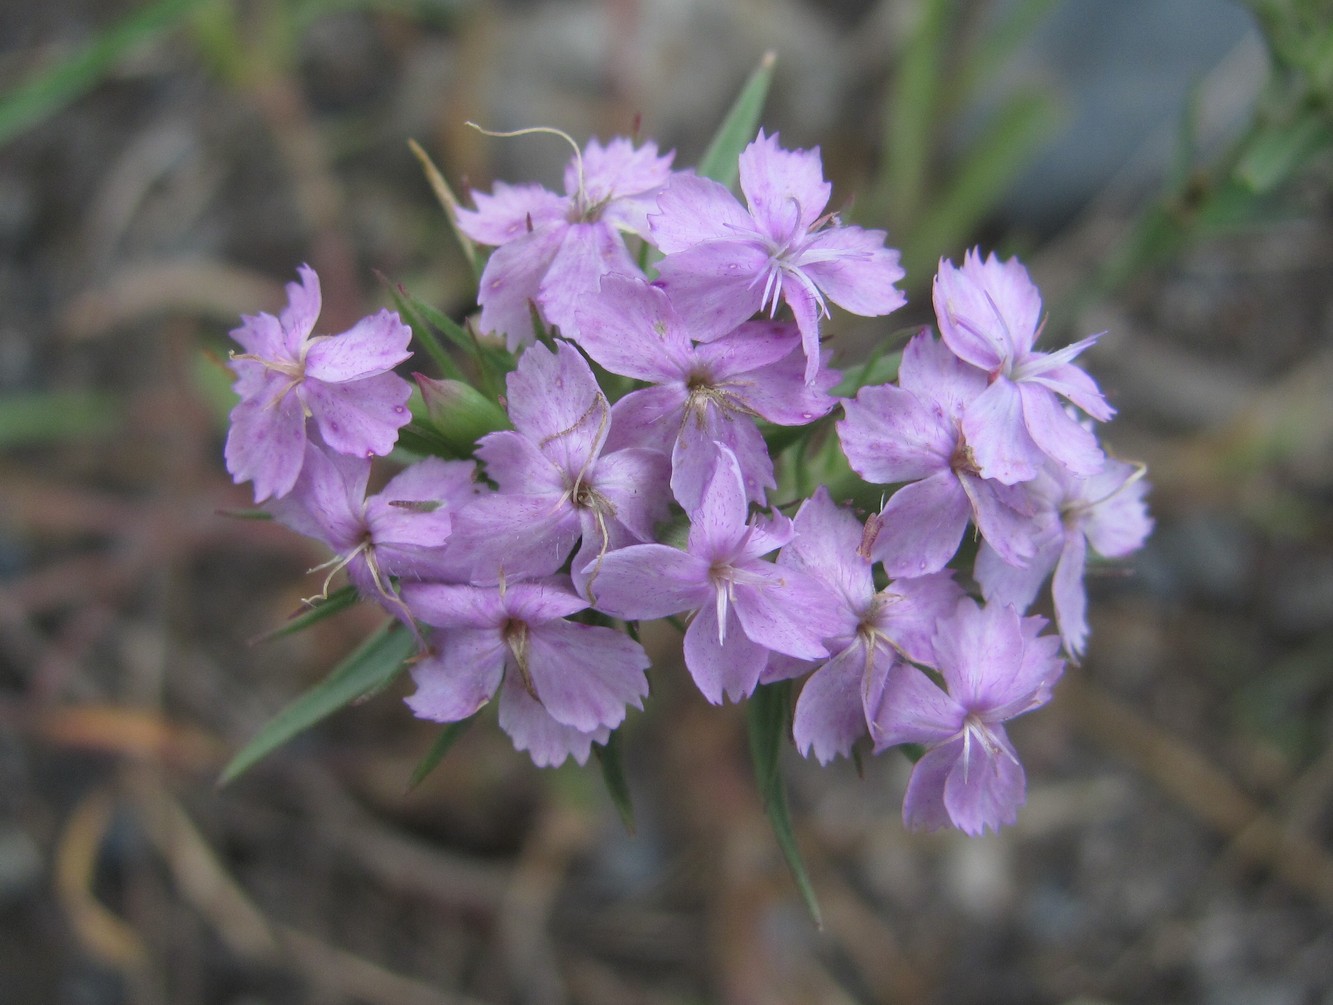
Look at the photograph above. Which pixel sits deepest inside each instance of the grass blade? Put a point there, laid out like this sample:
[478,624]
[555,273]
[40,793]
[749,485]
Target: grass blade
[49,90]
[442,745]
[769,717]
[372,666]
[721,160]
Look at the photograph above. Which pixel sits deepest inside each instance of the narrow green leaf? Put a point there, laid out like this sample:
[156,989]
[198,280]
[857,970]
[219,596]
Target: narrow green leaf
[422,333]
[769,718]
[442,745]
[721,161]
[376,662]
[989,168]
[911,116]
[880,368]
[316,611]
[613,774]
[47,91]
[56,417]
[1274,154]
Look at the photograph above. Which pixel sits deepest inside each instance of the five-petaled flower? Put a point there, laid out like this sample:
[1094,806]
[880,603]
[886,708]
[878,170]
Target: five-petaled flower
[344,384]
[727,261]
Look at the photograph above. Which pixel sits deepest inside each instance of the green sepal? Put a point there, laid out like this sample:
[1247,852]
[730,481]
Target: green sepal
[442,745]
[721,161]
[317,610]
[449,417]
[613,774]
[368,669]
[769,719]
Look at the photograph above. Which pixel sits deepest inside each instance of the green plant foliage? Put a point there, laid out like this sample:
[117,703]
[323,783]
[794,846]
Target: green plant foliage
[613,774]
[371,667]
[56,417]
[721,160]
[769,718]
[442,745]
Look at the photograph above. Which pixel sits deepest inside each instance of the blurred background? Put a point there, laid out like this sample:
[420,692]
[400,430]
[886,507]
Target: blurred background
[1165,168]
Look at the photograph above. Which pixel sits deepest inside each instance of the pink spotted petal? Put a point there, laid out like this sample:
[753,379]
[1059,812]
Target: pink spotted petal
[328,500]
[261,335]
[461,678]
[830,716]
[787,611]
[785,189]
[774,388]
[455,605]
[853,269]
[1002,514]
[716,285]
[362,417]
[1073,383]
[618,172]
[1071,598]
[1058,434]
[694,455]
[921,526]
[826,545]
[554,401]
[509,212]
[586,675]
[729,666]
[649,418]
[719,521]
[911,708]
[302,311]
[1004,583]
[1118,523]
[512,536]
[652,581]
[997,434]
[694,210]
[266,444]
[632,329]
[980,651]
[938,377]
[637,485]
[510,281]
[533,729]
[516,465]
[588,252]
[371,346]
[923,803]
[985,787]
[909,609]
[891,435]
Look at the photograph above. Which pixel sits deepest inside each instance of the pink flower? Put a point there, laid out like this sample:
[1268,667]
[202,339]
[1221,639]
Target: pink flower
[344,383]
[563,685]
[1105,512]
[912,433]
[875,630]
[725,262]
[989,314]
[742,606]
[553,249]
[703,394]
[995,666]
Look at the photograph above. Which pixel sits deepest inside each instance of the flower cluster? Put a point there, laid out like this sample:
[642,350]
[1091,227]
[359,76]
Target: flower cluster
[652,493]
